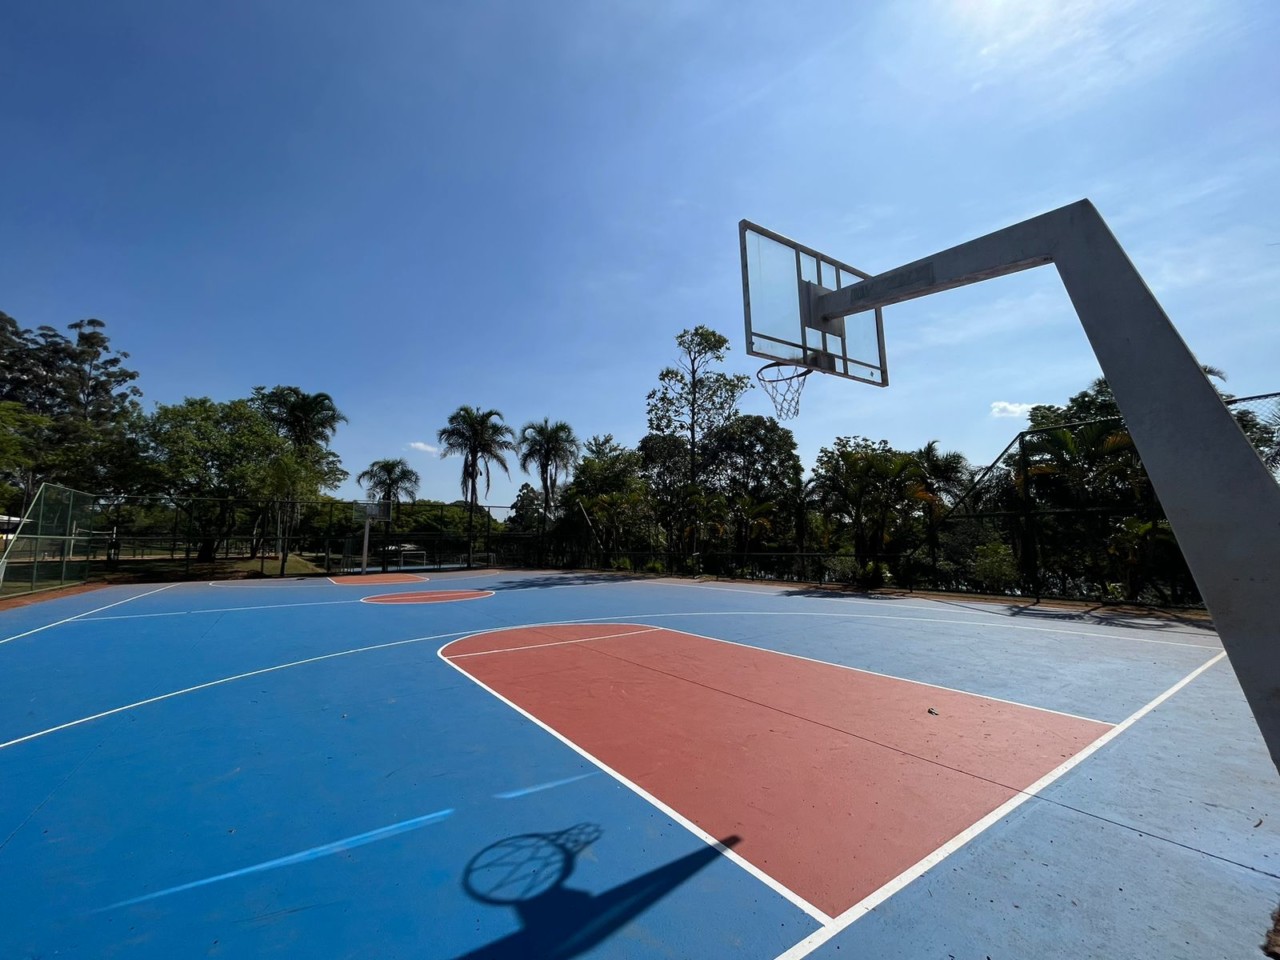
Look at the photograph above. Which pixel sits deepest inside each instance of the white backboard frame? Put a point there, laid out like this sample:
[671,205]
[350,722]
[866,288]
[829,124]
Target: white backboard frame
[785,324]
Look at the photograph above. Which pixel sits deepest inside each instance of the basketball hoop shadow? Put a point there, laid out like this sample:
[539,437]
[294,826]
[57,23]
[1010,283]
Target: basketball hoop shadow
[528,873]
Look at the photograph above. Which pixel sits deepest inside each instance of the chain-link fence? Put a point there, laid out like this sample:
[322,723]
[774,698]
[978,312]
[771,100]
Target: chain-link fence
[66,537]
[1259,417]
[151,538]
[51,544]
[1068,512]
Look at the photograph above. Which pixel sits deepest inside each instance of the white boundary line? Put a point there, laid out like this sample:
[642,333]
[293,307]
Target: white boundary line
[870,902]
[785,892]
[49,626]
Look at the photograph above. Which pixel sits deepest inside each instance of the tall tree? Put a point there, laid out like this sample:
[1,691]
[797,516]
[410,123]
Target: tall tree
[209,457]
[526,511]
[872,489]
[553,449]
[482,439]
[17,431]
[693,398]
[752,454]
[606,501]
[89,437]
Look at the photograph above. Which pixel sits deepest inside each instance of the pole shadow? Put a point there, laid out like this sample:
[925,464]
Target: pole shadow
[528,873]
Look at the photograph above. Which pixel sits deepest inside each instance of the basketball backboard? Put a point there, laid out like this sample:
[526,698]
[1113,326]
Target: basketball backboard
[781,281]
[374,510]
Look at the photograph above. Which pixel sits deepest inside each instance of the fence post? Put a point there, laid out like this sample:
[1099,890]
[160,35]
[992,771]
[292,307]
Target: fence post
[1030,562]
[68,539]
[35,554]
[187,560]
[328,532]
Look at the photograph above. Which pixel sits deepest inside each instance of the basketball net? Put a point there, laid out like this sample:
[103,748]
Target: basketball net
[783,382]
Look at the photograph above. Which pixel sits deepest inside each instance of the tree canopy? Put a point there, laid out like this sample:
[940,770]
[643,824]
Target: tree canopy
[1069,510]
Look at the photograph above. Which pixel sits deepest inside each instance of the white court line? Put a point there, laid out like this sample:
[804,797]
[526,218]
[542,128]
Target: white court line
[216,683]
[785,892]
[873,900]
[555,643]
[48,626]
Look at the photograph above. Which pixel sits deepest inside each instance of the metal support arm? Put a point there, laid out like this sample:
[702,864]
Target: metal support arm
[1221,500]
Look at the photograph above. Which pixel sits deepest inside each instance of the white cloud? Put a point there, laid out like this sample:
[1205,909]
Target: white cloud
[423,447]
[1003,408]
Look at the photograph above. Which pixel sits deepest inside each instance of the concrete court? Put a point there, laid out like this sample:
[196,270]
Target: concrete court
[620,768]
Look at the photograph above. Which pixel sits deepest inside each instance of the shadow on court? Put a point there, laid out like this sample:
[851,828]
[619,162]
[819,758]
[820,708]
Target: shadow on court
[527,873]
[1103,615]
[541,582]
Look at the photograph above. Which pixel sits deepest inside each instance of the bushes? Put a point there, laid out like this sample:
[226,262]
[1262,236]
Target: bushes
[994,567]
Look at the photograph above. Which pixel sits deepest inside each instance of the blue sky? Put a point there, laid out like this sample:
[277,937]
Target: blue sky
[413,205]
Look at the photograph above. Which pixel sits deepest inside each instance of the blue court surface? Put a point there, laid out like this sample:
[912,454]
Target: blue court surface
[259,768]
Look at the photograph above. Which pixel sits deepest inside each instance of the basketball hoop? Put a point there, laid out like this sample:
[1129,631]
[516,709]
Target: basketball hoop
[783,382]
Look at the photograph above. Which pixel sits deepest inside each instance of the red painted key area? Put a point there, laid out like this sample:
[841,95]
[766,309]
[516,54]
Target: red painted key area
[837,780]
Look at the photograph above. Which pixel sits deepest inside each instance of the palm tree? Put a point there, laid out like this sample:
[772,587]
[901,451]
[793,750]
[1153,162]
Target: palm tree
[310,419]
[554,449]
[390,480]
[306,420]
[481,439]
